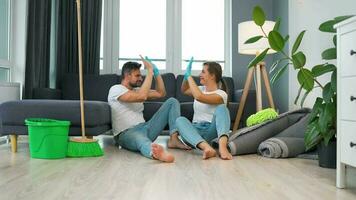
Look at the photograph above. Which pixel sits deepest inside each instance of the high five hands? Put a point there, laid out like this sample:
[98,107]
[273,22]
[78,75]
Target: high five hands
[146,63]
[150,65]
[155,68]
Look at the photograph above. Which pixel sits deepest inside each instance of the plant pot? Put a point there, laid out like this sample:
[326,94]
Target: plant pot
[327,155]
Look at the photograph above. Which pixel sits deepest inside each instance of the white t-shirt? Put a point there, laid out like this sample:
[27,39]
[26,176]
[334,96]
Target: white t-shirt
[204,112]
[124,115]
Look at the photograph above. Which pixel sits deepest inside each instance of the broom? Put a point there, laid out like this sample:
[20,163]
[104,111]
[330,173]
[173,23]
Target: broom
[83,146]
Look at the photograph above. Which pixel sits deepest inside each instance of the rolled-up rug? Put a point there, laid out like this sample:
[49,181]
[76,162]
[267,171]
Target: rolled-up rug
[288,143]
[281,147]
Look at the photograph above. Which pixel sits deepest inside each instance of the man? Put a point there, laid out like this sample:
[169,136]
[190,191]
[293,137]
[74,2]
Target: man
[130,129]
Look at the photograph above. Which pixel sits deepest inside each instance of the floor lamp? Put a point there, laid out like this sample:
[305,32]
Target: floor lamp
[247,30]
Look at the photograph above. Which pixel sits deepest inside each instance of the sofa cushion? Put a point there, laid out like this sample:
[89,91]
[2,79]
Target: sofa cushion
[15,112]
[179,95]
[96,87]
[230,87]
[150,108]
[186,109]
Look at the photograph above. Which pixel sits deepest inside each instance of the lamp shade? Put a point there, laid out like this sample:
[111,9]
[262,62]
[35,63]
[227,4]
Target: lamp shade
[249,29]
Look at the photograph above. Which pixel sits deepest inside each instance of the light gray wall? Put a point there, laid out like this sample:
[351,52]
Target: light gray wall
[308,15]
[19,29]
[242,11]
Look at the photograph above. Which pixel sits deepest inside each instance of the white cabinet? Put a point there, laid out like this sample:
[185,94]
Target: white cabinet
[347,43]
[346,98]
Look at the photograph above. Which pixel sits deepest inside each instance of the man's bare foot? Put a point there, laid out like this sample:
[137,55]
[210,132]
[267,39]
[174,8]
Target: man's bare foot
[209,153]
[225,154]
[175,143]
[160,154]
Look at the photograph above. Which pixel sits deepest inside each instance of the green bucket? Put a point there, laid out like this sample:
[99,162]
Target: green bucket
[48,138]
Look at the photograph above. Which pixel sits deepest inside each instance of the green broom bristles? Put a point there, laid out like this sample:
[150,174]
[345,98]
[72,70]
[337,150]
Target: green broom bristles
[84,149]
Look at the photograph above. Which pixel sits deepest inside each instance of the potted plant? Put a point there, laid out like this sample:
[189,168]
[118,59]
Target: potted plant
[321,128]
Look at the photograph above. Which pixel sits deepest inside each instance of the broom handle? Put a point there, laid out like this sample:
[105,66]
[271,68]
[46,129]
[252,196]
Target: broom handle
[80,68]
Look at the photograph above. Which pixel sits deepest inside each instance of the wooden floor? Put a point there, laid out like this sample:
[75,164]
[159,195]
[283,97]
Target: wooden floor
[125,175]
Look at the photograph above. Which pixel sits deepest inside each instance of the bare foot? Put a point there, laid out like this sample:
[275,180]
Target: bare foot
[175,143]
[209,153]
[160,154]
[225,154]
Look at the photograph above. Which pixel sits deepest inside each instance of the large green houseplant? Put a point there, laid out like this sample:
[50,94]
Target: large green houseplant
[322,122]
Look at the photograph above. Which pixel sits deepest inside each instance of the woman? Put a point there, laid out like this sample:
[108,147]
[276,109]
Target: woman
[211,117]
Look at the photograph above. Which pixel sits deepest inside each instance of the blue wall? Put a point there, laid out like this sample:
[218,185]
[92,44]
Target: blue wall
[281,88]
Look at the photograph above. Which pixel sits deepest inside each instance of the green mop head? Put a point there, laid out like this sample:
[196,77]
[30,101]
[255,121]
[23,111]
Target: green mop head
[261,116]
[84,148]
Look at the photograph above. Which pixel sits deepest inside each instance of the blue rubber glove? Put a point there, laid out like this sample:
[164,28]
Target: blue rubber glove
[188,71]
[155,69]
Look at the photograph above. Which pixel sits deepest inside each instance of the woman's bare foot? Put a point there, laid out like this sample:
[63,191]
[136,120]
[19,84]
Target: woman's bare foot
[224,152]
[160,154]
[208,151]
[175,143]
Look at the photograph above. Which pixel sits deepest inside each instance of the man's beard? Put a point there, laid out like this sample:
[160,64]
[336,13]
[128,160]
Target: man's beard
[136,84]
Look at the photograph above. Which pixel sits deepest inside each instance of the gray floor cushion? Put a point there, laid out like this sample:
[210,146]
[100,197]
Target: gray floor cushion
[288,143]
[247,140]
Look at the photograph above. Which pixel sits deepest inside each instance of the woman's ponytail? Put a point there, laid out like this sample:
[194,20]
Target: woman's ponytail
[226,89]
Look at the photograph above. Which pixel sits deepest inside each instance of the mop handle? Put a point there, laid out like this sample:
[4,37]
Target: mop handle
[80,68]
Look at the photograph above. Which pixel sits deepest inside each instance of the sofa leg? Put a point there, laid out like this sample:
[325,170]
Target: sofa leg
[13,139]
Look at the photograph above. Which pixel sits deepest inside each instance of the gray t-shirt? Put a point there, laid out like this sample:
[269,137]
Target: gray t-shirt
[124,115]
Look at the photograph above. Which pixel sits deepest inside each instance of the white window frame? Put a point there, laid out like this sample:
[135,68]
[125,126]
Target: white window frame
[173,38]
[6,63]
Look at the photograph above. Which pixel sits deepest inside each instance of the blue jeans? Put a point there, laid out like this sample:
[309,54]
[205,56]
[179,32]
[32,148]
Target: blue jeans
[140,137]
[195,133]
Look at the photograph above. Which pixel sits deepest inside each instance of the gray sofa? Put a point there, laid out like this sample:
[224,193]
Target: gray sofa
[63,104]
